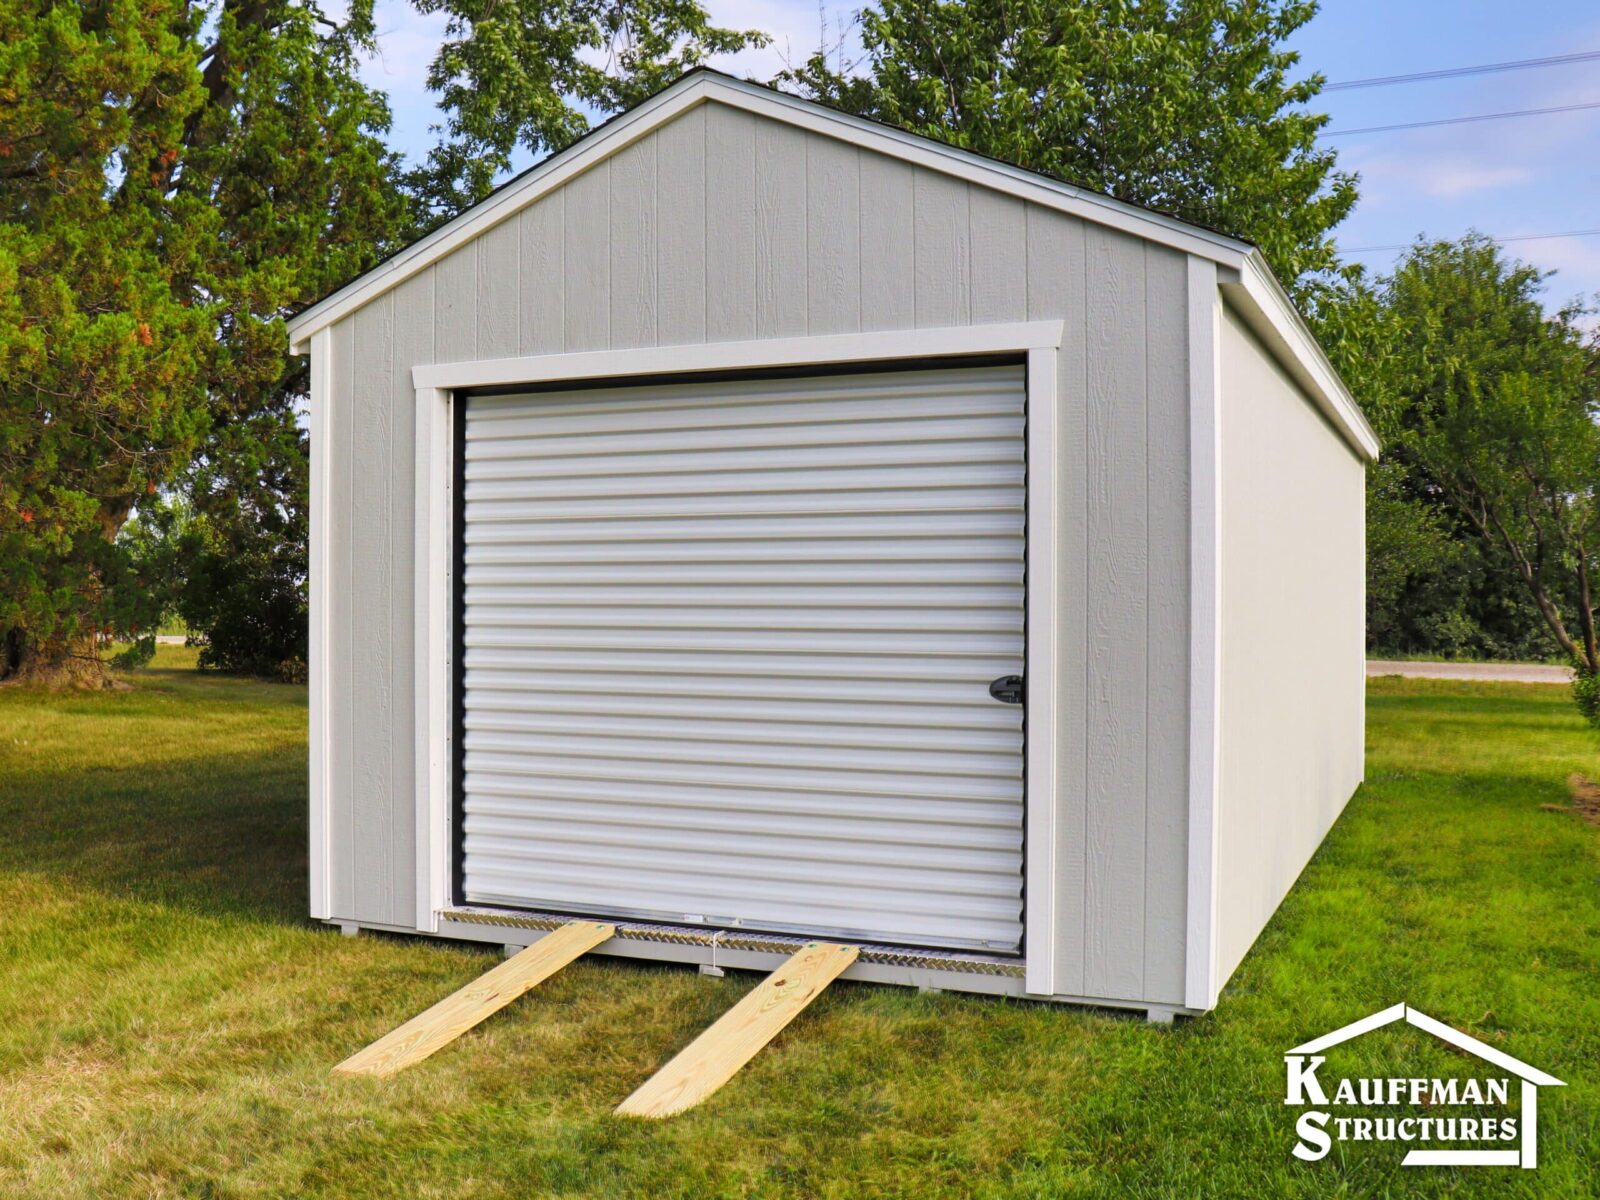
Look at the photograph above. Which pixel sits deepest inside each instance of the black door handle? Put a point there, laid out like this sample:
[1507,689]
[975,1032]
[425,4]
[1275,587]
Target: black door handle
[1008,689]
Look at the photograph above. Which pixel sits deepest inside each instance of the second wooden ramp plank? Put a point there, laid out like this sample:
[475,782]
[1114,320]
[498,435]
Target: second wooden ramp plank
[713,1058]
[482,998]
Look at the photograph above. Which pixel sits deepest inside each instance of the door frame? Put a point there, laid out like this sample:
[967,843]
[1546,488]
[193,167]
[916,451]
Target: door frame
[437,483]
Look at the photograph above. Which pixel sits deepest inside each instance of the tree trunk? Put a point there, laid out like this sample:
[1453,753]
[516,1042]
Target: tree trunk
[76,667]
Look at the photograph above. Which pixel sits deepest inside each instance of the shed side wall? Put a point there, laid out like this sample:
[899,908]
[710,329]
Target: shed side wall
[1293,619]
[724,226]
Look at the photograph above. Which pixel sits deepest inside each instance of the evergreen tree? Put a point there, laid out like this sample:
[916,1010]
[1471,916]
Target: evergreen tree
[174,177]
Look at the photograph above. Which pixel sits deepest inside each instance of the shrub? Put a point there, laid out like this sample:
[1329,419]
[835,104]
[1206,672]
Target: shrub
[1586,690]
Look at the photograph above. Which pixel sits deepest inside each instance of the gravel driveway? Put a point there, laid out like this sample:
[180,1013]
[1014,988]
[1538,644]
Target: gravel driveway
[1503,672]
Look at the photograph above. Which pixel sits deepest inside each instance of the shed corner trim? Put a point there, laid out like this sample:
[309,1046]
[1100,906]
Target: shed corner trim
[319,785]
[1205,634]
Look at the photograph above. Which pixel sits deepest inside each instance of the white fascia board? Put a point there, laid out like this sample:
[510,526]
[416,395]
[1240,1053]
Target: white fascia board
[698,88]
[1267,309]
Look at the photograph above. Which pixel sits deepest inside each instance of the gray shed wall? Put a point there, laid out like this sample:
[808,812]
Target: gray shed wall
[725,226]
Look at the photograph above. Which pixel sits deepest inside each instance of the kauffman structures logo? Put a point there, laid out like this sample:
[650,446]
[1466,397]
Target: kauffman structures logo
[1469,1124]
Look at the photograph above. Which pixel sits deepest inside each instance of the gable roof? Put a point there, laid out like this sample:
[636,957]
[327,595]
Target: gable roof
[1242,270]
[1462,1041]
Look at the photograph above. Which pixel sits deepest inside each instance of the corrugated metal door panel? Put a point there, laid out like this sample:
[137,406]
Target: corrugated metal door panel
[728,654]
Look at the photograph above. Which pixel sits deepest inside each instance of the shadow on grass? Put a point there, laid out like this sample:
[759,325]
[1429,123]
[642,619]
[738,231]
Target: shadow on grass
[223,833]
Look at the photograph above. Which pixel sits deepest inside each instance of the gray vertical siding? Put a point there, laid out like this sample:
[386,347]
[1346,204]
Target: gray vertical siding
[833,236]
[633,236]
[413,328]
[941,250]
[780,257]
[888,243]
[539,250]
[373,584]
[586,255]
[1167,619]
[499,293]
[681,242]
[725,226]
[999,257]
[371,714]
[1118,545]
[730,203]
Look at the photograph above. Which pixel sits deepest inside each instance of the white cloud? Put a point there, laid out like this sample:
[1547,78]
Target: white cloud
[1576,262]
[1444,176]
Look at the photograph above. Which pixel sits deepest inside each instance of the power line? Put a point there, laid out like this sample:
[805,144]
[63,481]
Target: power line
[1514,237]
[1496,116]
[1555,60]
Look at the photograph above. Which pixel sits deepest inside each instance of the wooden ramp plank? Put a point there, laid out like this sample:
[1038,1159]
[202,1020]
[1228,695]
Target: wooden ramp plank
[483,997]
[712,1059]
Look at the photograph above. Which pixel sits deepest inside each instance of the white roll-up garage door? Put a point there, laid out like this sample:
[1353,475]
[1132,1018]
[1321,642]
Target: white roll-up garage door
[729,648]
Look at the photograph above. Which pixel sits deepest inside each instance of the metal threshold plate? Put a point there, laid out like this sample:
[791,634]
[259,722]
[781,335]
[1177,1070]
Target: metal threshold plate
[733,939]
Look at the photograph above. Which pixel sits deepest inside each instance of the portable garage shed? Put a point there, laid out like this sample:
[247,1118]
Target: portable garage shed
[756,523]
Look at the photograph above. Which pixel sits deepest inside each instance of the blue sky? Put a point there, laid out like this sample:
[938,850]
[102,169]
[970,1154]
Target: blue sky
[1529,175]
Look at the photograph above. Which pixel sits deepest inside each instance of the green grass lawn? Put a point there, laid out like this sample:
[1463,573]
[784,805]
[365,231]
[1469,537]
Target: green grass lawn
[168,1016]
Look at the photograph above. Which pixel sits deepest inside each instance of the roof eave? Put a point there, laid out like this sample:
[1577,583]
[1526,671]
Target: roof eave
[1266,307]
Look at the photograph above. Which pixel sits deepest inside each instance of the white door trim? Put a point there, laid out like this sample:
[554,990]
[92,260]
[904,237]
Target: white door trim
[436,384]
[434,649]
[1017,337]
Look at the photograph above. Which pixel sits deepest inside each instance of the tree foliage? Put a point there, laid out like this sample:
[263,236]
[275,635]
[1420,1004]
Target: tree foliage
[1494,403]
[226,551]
[1186,106]
[175,176]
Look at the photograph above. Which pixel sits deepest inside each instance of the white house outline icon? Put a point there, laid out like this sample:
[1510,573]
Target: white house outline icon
[1532,1080]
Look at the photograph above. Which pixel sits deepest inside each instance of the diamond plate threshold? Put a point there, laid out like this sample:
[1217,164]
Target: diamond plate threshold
[724,939]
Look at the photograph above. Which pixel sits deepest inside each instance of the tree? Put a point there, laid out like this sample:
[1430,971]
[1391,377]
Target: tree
[1408,542]
[528,73]
[176,176]
[1496,403]
[1181,105]
[226,552]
